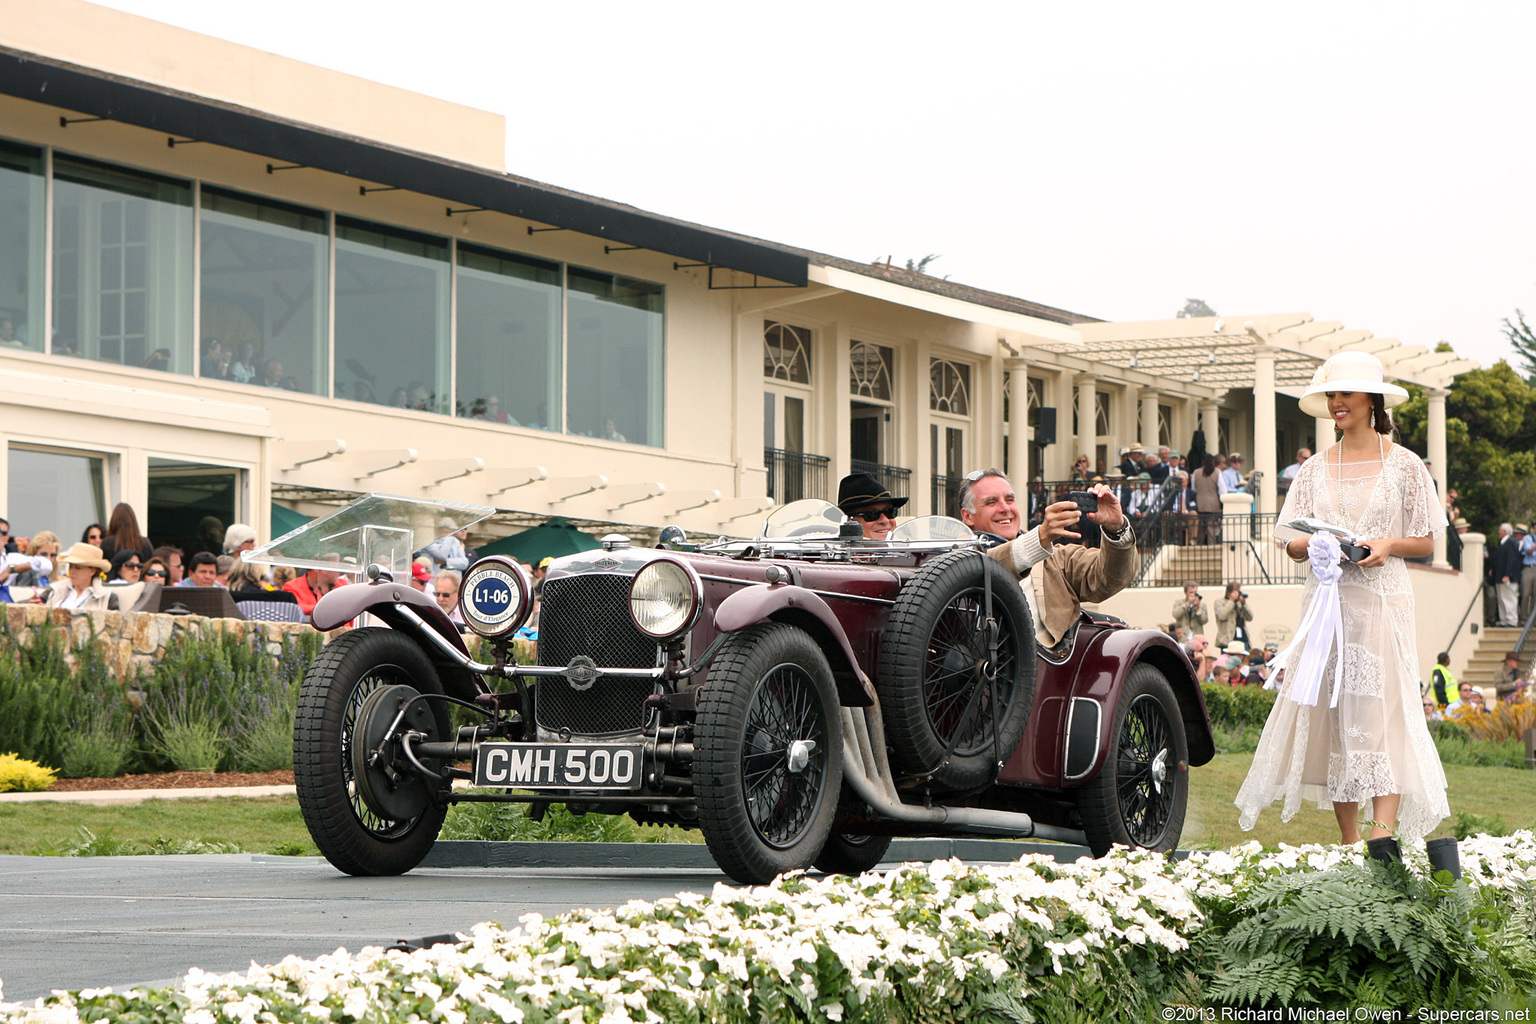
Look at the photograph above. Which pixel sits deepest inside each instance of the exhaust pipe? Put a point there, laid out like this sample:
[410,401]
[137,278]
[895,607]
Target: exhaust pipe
[867,771]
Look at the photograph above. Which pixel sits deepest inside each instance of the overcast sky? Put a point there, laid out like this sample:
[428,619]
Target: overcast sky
[1366,163]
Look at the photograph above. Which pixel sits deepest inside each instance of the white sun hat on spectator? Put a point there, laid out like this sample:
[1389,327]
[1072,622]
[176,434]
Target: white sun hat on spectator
[1349,371]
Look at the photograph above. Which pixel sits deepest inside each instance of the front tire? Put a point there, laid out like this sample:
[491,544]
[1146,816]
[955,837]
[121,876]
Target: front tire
[352,836]
[768,759]
[1140,796]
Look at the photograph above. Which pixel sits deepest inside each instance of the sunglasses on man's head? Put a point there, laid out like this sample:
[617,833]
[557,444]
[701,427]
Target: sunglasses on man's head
[874,515]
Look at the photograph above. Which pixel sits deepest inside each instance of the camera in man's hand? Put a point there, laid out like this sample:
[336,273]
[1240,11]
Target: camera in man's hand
[1086,501]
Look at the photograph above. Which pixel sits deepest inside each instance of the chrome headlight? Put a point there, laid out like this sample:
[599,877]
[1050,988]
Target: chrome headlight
[496,596]
[665,598]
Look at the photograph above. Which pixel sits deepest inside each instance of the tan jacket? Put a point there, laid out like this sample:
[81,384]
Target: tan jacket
[102,598]
[1069,574]
[1228,615]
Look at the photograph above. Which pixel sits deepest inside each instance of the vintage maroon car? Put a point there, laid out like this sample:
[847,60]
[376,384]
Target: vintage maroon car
[800,698]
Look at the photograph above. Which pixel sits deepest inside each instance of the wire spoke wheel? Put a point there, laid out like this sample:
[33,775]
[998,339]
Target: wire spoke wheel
[781,798]
[1145,791]
[768,762]
[962,674]
[955,707]
[1140,796]
[348,832]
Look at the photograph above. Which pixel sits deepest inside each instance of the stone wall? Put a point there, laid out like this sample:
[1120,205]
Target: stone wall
[134,640]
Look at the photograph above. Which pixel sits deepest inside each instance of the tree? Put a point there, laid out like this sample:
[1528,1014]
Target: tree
[1490,442]
[1193,308]
[1523,338]
[921,266]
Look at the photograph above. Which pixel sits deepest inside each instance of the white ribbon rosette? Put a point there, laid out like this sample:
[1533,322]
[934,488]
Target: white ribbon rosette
[1322,624]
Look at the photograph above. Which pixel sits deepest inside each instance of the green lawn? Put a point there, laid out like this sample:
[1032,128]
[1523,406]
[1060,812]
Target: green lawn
[273,824]
[258,825]
[1506,793]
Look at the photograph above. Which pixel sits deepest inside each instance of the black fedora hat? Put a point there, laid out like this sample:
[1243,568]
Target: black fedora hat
[860,490]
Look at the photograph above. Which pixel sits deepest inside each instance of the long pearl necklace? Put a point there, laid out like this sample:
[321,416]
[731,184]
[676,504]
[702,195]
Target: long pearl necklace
[1381,458]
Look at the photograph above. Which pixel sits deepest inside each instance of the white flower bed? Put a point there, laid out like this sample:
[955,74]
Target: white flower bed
[943,937]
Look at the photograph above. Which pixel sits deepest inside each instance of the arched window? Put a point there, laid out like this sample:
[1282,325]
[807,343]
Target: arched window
[949,387]
[786,352]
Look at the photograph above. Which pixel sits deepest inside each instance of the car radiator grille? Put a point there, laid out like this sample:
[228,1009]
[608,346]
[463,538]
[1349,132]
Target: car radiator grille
[589,614]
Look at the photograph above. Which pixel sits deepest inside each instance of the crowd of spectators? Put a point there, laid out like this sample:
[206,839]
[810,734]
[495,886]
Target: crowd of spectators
[114,567]
[1187,512]
[242,364]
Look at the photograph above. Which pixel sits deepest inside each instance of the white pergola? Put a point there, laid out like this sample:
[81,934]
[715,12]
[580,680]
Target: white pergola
[1274,354]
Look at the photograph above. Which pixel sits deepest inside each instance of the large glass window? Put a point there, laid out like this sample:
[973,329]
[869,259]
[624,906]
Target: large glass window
[508,339]
[614,357]
[264,292]
[55,489]
[122,266]
[391,316]
[21,247]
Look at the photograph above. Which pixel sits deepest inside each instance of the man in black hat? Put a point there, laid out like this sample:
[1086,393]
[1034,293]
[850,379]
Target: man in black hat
[865,499]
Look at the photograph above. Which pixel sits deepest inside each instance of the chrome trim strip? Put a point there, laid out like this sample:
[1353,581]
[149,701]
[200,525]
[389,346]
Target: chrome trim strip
[1098,734]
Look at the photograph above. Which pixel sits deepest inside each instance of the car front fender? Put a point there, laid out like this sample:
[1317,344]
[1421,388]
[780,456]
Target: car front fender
[383,600]
[800,607]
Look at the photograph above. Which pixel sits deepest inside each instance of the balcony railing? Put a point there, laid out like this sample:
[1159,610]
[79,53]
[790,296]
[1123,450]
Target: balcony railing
[893,478]
[795,475]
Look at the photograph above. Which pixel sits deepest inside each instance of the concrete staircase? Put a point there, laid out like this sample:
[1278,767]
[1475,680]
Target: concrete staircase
[1197,563]
[1492,644]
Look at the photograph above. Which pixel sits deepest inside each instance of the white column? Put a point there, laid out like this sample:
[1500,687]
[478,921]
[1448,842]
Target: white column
[1437,465]
[1264,424]
[1018,421]
[836,429]
[1148,397]
[1087,416]
[1211,426]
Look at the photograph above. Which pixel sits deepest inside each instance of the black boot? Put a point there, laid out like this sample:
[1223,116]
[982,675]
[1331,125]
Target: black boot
[1384,849]
[1444,856]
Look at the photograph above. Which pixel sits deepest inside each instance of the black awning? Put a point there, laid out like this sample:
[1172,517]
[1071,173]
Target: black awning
[98,94]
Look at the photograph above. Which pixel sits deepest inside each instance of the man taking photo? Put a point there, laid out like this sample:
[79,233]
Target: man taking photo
[1059,577]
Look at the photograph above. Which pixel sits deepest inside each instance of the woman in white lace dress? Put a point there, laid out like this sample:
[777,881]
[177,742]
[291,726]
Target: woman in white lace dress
[1372,747]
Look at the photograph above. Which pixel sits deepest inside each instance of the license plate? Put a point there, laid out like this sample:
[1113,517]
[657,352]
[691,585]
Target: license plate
[559,765]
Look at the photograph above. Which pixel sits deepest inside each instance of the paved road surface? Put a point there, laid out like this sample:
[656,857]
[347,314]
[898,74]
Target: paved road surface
[84,922]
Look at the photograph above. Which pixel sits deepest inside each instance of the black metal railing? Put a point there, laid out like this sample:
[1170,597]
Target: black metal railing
[946,495]
[1211,549]
[893,478]
[795,475]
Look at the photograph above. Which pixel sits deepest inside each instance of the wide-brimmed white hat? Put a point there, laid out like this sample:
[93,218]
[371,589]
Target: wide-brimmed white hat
[1348,371]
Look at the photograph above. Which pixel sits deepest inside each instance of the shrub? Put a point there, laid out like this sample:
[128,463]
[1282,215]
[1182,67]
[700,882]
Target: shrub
[1502,721]
[1359,935]
[99,742]
[1458,746]
[18,775]
[1236,706]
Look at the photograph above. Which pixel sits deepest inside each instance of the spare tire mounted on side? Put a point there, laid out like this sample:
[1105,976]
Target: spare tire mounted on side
[955,689]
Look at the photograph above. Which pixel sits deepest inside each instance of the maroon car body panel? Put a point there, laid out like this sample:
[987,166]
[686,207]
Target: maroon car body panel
[344,604]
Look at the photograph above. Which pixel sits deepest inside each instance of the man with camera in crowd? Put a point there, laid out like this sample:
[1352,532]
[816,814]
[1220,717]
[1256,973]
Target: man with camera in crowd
[1057,577]
[1232,616]
[1190,612]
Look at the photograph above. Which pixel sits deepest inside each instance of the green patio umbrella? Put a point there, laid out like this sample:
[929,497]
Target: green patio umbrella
[285,520]
[553,538]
